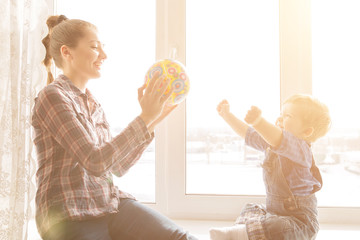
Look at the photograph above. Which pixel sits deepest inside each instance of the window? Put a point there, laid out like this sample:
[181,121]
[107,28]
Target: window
[336,73]
[190,195]
[230,48]
[128,33]
[232,52]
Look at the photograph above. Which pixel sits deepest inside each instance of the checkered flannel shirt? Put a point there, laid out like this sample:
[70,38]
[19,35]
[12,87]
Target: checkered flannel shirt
[77,155]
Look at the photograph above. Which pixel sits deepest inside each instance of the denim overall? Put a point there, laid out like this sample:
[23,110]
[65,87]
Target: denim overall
[286,216]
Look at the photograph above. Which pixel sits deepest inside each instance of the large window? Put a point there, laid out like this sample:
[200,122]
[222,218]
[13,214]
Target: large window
[336,73]
[250,53]
[128,32]
[232,52]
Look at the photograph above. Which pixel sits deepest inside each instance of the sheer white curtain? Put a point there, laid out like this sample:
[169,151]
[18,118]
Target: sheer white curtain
[22,27]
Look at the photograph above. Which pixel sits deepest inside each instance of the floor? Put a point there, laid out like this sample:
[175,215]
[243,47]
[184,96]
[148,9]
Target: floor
[327,232]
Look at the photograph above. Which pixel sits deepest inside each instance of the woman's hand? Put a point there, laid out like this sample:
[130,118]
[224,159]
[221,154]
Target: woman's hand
[166,111]
[152,98]
[223,108]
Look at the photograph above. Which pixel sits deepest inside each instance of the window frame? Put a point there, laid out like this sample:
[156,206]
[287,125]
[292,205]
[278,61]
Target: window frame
[295,77]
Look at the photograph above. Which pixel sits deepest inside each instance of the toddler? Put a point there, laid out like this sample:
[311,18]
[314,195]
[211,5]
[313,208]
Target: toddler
[289,172]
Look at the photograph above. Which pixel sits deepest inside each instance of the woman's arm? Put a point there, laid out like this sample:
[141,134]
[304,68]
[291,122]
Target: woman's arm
[121,167]
[54,112]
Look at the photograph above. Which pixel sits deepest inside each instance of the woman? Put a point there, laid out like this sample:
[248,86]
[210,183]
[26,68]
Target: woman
[76,197]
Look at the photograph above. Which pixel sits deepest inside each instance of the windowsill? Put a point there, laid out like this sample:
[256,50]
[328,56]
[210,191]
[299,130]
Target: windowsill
[327,231]
[200,229]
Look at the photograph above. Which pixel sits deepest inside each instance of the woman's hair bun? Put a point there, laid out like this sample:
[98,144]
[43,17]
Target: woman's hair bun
[62,18]
[52,21]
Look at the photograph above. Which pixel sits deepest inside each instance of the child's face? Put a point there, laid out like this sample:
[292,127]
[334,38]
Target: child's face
[291,120]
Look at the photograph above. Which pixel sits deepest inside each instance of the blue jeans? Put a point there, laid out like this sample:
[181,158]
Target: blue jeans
[133,221]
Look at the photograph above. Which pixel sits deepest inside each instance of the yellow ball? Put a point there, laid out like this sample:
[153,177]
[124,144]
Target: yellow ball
[179,80]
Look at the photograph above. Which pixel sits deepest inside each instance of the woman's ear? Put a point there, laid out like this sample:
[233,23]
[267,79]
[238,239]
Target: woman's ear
[65,52]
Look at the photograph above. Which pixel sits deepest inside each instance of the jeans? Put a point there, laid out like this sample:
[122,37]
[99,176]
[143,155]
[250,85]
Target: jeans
[132,221]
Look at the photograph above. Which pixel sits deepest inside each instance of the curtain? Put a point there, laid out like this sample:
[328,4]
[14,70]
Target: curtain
[22,26]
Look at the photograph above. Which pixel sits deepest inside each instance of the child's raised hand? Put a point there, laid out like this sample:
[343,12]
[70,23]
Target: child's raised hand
[223,108]
[253,116]
[279,122]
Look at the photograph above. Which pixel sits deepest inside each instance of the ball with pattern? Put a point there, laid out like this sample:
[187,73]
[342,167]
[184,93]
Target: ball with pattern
[179,80]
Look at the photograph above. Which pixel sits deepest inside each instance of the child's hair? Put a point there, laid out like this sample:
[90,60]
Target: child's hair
[62,31]
[315,114]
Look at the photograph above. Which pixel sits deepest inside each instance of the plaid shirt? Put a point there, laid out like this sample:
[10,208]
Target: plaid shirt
[295,157]
[77,155]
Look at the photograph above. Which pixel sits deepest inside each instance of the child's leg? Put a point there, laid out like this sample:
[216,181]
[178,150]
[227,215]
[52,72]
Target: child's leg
[236,232]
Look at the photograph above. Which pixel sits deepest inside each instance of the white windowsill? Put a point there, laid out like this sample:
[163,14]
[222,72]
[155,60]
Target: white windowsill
[200,229]
[327,232]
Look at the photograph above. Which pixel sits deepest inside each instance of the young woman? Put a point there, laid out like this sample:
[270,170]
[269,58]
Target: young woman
[76,197]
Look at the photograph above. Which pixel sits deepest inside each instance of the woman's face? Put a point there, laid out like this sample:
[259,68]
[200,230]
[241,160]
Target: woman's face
[88,56]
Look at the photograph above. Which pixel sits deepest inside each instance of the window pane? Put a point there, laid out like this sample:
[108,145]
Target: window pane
[130,47]
[336,73]
[232,52]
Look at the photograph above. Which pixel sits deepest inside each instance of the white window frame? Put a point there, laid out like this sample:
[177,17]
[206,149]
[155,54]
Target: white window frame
[295,76]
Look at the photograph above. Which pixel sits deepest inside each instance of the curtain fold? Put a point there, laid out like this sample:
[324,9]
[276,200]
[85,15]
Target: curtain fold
[22,26]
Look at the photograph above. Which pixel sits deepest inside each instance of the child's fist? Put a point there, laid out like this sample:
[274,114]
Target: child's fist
[279,122]
[223,108]
[253,116]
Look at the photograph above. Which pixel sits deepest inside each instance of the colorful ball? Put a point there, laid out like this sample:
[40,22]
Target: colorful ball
[179,80]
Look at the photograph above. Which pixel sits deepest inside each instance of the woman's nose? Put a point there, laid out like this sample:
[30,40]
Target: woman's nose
[103,55]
